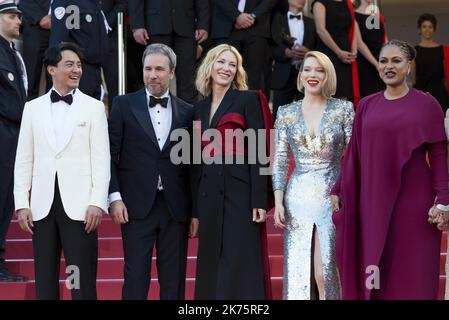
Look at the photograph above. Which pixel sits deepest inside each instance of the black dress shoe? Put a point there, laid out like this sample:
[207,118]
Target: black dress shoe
[6,276]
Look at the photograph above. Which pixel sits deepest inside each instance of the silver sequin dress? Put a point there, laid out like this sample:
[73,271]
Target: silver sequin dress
[307,198]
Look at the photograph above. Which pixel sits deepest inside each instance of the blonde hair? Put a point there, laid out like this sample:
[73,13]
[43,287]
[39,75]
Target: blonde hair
[203,80]
[330,79]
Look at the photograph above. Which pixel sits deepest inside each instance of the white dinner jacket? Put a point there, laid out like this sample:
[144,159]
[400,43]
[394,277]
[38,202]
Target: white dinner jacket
[82,164]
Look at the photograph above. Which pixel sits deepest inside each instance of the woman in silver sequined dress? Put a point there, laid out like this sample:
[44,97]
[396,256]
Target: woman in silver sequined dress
[316,129]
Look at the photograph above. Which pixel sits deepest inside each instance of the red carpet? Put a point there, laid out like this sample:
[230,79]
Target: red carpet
[110,265]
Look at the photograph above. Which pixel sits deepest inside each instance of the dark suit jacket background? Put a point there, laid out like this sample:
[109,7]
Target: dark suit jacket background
[91,36]
[165,16]
[34,10]
[279,31]
[137,161]
[13,96]
[224,13]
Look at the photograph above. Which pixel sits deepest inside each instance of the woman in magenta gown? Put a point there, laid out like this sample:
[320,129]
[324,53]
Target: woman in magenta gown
[386,247]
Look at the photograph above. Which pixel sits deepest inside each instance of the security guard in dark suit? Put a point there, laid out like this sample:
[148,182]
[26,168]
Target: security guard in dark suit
[13,97]
[90,35]
[35,34]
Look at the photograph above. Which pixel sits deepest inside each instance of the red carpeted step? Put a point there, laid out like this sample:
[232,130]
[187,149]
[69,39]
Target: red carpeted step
[107,229]
[112,247]
[109,289]
[112,268]
[443,263]
[108,268]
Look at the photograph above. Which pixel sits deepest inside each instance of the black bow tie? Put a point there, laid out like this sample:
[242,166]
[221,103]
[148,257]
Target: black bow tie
[154,101]
[55,97]
[292,16]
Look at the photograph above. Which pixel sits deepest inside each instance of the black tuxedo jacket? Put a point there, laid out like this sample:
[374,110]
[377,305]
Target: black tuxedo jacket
[161,17]
[226,177]
[137,161]
[280,33]
[34,10]
[91,35]
[224,13]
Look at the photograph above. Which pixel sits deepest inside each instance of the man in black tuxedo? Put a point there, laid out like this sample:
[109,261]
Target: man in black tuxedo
[90,35]
[293,34]
[149,194]
[35,34]
[245,24]
[110,69]
[180,24]
[12,101]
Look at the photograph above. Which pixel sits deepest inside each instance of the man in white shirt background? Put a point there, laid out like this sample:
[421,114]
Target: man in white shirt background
[63,159]
[149,194]
[293,34]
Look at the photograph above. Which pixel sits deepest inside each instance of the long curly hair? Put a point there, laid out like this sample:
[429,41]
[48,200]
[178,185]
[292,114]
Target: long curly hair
[203,80]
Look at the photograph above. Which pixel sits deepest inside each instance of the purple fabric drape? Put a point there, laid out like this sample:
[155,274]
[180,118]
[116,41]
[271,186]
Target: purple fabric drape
[386,188]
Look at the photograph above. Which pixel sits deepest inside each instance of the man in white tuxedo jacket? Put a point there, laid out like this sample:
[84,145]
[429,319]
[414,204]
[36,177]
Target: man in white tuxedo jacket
[63,159]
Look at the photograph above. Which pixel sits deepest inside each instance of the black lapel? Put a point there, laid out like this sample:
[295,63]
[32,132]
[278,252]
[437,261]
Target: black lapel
[176,113]
[223,107]
[204,112]
[139,106]
[284,24]
[308,29]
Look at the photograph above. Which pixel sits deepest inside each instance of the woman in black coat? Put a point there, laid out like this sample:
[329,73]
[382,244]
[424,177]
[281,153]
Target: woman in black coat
[230,199]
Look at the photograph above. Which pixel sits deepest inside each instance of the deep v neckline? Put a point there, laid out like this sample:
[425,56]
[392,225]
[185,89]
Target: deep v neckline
[318,129]
[211,116]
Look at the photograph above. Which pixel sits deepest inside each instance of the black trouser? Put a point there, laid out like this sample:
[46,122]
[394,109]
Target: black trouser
[254,50]
[170,237]
[288,93]
[110,69]
[80,249]
[185,49]
[35,42]
[7,209]
[8,143]
[90,82]
[134,70]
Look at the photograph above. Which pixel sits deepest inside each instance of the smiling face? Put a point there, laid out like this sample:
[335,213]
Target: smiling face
[296,5]
[10,25]
[393,66]
[157,73]
[224,69]
[67,73]
[313,76]
[427,29]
